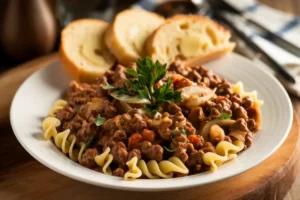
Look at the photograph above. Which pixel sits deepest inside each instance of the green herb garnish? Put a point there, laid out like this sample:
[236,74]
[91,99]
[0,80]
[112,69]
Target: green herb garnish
[122,90]
[108,87]
[88,144]
[225,116]
[142,85]
[167,149]
[187,133]
[99,120]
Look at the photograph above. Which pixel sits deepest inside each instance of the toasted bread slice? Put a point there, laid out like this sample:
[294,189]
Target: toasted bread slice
[82,50]
[191,39]
[128,32]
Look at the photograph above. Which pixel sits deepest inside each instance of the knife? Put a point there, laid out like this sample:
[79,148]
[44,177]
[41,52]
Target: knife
[239,29]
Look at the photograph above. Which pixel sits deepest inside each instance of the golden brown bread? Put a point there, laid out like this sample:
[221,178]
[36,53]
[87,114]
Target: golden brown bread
[191,39]
[128,32]
[82,51]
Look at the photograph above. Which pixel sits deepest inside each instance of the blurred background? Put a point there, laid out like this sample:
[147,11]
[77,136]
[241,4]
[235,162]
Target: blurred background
[30,28]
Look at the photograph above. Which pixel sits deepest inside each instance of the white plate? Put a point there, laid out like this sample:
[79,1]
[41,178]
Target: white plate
[38,93]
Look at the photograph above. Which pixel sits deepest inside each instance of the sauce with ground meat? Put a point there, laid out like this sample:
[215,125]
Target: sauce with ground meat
[132,132]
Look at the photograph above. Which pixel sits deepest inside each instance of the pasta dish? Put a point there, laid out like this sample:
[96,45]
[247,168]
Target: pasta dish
[150,121]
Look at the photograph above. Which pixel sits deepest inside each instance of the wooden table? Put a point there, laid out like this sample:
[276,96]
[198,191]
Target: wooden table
[22,177]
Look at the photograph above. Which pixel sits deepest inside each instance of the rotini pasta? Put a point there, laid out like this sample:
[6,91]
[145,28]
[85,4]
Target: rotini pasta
[239,88]
[104,160]
[62,140]
[164,169]
[134,172]
[193,112]
[59,104]
[225,151]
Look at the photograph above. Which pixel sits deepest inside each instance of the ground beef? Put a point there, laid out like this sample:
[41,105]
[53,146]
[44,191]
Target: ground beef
[240,112]
[74,125]
[171,108]
[178,67]
[115,77]
[184,82]
[134,153]
[87,130]
[119,172]
[196,117]
[178,140]
[133,132]
[252,113]
[208,147]
[224,88]
[96,107]
[181,154]
[236,98]
[152,152]
[88,158]
[119,136]
[227,139]
[240,125]
[223,104]
[155,152]
[252,125]
[163,129]
[81,93]
[118,122]
[178,120]
[195,158]
[136,125]
[247,102]
[65,114]
[120,154]
[248,139]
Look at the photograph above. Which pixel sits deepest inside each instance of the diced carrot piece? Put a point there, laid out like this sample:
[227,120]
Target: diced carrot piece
[148,135]
[134,141]
[195,140]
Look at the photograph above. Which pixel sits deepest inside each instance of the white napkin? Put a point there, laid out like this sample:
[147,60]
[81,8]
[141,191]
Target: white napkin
[281,23]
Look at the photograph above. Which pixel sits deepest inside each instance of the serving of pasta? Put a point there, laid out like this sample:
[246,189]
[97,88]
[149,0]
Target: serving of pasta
[153,121]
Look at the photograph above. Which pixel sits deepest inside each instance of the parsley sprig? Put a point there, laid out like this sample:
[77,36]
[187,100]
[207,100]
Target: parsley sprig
[142,84]
[99,120]
[225,116]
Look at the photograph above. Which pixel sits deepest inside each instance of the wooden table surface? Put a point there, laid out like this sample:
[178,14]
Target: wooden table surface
[12,153]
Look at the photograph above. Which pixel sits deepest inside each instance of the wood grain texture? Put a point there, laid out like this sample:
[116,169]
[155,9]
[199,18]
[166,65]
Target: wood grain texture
[13,78]
[22,177]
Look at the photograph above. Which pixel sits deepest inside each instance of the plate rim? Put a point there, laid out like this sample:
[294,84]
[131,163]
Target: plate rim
[153,188]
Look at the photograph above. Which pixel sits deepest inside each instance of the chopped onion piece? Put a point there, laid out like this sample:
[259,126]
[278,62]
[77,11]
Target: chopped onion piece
[220,122]
[237,136]
[188,91]
[129,99]
[125,106]
[195,101]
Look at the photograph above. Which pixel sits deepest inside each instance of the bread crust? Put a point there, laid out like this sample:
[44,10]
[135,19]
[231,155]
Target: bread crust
[69,64]
[113,43]
[150,43]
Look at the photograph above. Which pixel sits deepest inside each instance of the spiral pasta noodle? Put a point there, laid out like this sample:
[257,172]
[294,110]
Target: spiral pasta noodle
[104,160]
[134,172]
[163,169]
[239,88]
[58,105]
[225,151]
[62,139]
